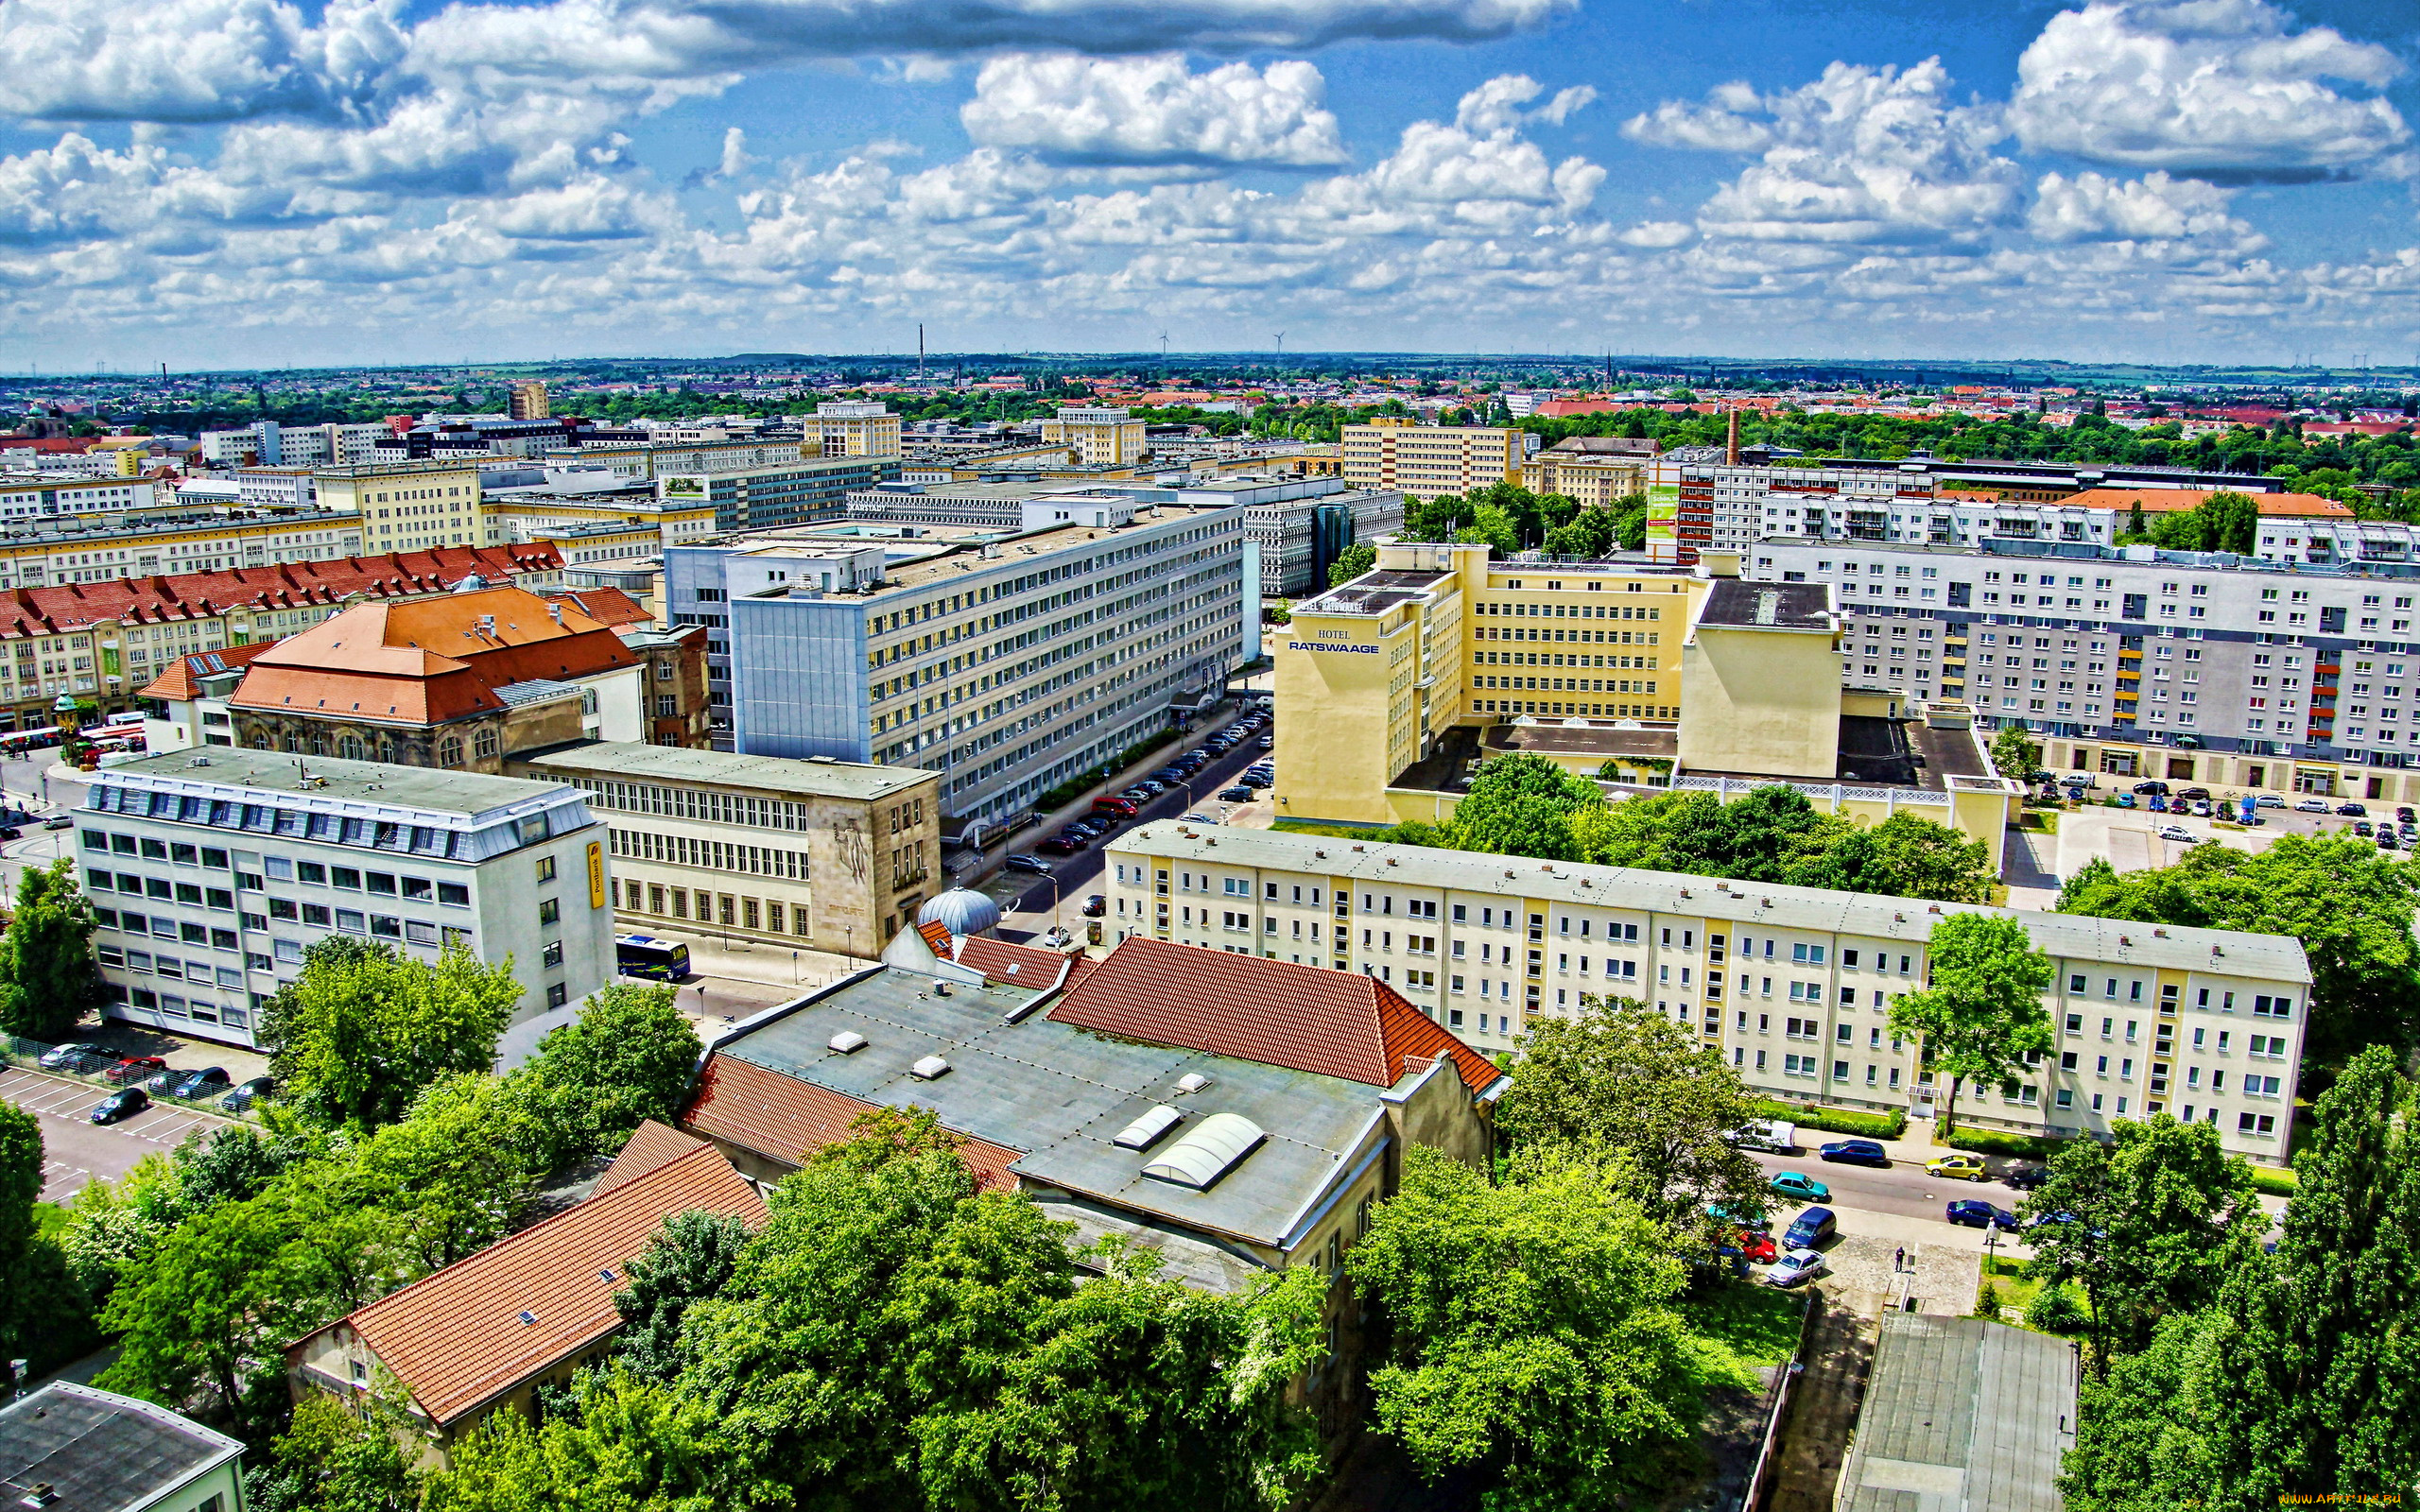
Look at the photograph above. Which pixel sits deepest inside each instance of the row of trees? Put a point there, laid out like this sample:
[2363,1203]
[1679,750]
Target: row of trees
[1526,805]
[1512,518]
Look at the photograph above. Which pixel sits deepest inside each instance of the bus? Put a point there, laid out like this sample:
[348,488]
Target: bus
[645,955]
[21,741]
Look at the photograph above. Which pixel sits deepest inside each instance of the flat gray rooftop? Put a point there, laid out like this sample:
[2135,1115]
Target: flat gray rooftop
[1062,1095]
[633,760]
[100,1452]
[1732,604]
[1963,1414]
[418,787]
[1372,593]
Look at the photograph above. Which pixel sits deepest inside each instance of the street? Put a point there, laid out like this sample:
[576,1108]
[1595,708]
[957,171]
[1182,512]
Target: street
[1905,1190]
[75,1150]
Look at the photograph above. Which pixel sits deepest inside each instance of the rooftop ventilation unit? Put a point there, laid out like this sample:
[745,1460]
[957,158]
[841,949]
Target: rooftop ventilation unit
[847,1042]
[1207,1152]
[928,1068]
[1146,1131]
[1192,1081]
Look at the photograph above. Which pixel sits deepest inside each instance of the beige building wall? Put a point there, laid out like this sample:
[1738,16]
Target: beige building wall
[1590,481]
[1427,460]
[1098,437]
[408,506]
[1760,699]
[852,429]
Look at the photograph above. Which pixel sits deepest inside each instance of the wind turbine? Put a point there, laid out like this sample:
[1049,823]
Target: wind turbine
[1163,344]
[1281,346]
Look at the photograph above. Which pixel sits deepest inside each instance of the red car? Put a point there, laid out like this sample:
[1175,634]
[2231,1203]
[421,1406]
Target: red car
[1757,1248]
[135,1069]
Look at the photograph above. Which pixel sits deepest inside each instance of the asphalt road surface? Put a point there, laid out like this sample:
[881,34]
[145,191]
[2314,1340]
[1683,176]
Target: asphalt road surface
[75,1150]
[1905,1189]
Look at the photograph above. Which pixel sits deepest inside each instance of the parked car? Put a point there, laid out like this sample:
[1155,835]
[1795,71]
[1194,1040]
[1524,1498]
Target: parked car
[157,1084]
[2269,800]
[2201,809]
[1027,864]
[1198,817]
[2364,829]
[1796,1266]
[1120,807]
[64,822]
[2311,805]
[2353,811]
[191,1084]
[247,1093]
[2405,814]
[133,1069]
[2027,1177]
[2123,801]
[10,831]
[1812,1228]
[2158,804]
[2386,841]
[1975,1214]
[1269,742]
[2193,792]
[2160,788]
[1961,1167]
[1151,786]
[2176,832]
[1061,845]
[1855,1152]
[1724,1215]
[123,1102]
[71,1058]
[1757,1246]
[1802,1186]
[1237,794]
[1096,905]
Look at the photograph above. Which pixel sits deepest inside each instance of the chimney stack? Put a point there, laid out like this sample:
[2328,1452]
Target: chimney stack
[1730,440]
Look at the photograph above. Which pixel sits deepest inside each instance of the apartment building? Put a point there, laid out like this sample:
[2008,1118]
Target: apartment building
[528,400]
[1426,460]
[653,459]
[1793,984]
[539,513]
[843,427]
[1097,435]
[796,492]
[210,874]
[812,854]
[99,548]
[408,506]
[1007,663]
[101,641]
[269,443]
[30,496]
[1596,472]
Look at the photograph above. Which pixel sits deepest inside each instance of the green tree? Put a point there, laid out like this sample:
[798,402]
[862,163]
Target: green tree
[1491,525]
[1352,562]
[1529,1332]
[203,1323]
[362,1030]
[21,1182]
[625,1060]
[330,1459]
[627,1446]
[1904,856]
[1522,805]
[1982,1015]
[2143,1225]
[692,1256]
[2015,754]
[2350,906]
[1622,1081]
[47,980]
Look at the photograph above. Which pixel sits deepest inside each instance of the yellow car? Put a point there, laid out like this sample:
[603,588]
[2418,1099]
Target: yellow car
[1964,1167]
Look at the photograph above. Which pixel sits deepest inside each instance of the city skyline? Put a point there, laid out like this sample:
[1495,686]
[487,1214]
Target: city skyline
[234,183]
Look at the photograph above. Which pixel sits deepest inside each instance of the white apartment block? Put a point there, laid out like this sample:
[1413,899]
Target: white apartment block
[210,876]
[1097,434]
[1794,985]
[26,497]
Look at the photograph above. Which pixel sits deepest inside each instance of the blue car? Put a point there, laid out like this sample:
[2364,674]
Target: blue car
[1982,1215]
[1812,1227]
[1856,1152]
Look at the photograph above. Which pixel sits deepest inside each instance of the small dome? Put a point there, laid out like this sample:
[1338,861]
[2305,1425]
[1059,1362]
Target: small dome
[962,911]
[470,583]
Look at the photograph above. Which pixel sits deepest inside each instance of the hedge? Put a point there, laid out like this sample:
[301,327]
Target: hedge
[2276,1182]
[1999,1142]
[1887,1126]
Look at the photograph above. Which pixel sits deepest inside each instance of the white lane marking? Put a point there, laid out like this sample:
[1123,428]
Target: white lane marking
[138,1132]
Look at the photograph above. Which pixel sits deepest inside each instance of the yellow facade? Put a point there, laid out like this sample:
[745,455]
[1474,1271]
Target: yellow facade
[847,428]
[672,521]
[1427,460]
[1097,435]
[1762,700]
[408,506]
[1589,481]
[107,547]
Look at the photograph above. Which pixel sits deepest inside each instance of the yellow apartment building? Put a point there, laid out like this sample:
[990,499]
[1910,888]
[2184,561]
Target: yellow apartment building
[1592,481]
[1424,462]
[845,427]
[538,516]
[1791,985]
[104,547]
[1392,688]
[1097,435]
[408,505]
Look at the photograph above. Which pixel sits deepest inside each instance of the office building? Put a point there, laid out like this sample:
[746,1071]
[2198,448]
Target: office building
[210,874]
[556,511]
[1392,688]
[1097,435]
[528,400]
[102,547]
[1794,985]
[79,1449]
[408,506]
[29,497]
[796,492]
[1010,662]
[764,850]
[271,443]
[650,459]
[459,681]
[1301,537]
[1595,472]
[100,641]
[1424,462]
[843,427]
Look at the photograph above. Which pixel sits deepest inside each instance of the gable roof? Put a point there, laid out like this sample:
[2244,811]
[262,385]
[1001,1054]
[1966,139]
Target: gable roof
[1334,1024]
[789,1119]
[650,1147]
[609,607]
[2160,501]
[456,1339]
[1000,961]
[180,680]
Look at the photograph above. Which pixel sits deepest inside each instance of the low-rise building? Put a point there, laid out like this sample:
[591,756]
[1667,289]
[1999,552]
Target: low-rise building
[1594,471]
[1794,985]
[483,1334]
[795,492]
[1963,1409]
[211,873]
[814,854]
[70,1447]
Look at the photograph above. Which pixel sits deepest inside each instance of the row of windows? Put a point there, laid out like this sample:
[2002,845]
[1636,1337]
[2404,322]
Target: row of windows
[713,855]
[263,818]
[767,915]
[693,803]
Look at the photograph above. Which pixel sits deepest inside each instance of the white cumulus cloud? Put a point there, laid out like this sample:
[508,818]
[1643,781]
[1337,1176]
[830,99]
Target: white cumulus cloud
[2215,88]
[2091,207]
[1153,109]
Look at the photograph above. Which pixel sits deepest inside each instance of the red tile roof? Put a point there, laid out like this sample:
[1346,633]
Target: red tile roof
[787,1119]
[650,1147]
[609,607]
[288,584]
[2158,500]
[998,960]
[1336,1023]
[180,681]
[456,1339]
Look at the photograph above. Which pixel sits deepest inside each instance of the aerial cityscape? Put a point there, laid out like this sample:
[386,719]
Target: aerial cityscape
[1411,756]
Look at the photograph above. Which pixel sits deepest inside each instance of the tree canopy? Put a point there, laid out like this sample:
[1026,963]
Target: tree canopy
[1981,1015]
[625,1060]
[47,979]
[364,1028]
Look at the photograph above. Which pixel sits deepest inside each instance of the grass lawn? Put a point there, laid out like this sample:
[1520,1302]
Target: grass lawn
[1338,832]
[2018,1290]
[1755,1326]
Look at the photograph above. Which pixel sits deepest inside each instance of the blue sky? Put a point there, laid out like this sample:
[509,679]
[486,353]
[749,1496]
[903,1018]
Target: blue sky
[211,182]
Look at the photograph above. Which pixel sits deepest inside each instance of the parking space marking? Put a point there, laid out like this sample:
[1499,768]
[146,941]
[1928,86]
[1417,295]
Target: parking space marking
[177,1135]
[60,1099]
[140,1130]
[61,1181]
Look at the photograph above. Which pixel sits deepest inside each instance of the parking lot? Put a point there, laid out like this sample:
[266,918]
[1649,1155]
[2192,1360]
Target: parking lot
[74,1149]
[2131,839]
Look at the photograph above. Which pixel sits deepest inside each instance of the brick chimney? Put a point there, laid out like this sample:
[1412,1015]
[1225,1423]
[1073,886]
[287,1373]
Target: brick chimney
[1730,440]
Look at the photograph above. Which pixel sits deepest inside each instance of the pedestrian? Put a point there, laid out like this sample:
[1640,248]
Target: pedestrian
[1899,1261]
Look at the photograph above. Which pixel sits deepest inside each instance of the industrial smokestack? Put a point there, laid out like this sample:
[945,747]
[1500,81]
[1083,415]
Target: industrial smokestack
[1730,440]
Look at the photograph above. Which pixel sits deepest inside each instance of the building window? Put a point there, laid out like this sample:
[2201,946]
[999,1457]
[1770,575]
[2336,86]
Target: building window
[556,995]
[546,868]
[550,911]
[449,751]
[552,954]
[349,746]
[483,742]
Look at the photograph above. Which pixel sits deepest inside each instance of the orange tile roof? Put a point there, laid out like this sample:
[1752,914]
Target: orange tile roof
[999,961]
[651,1147]
[288,584]
[609,607]
[2160,501]
[181,682]
[456,1339]
[788,1120]
[1334,1023]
